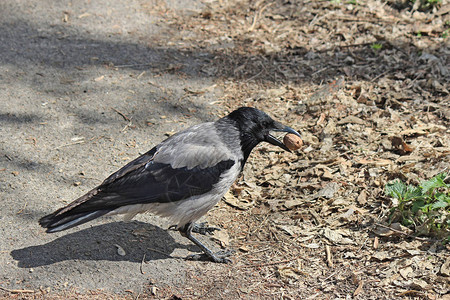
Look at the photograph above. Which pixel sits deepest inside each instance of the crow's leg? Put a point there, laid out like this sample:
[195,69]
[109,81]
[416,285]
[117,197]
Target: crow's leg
[201,228]
[219,257]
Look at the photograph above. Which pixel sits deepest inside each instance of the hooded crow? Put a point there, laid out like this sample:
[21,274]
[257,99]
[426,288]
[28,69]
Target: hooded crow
[182,178]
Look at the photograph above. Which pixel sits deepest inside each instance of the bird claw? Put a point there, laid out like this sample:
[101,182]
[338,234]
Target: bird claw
[218,257]
[204,229]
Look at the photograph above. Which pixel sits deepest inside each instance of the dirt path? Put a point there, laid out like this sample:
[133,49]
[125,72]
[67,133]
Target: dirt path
[83,91]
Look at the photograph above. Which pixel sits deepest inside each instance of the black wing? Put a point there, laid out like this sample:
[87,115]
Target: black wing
[150,183]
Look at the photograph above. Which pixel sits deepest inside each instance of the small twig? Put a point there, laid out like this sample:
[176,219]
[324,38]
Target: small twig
[70,144]
[14,291]
[329,256]
[379,75]
[257,15]
[122,114]
[331,275]
[316,217]
[401,232]
[254,76]
[142,265]
[321,70]
[96,138]
[127,126]
[359,289]
[160,252]
[22,209]
[143,72]
[318,19]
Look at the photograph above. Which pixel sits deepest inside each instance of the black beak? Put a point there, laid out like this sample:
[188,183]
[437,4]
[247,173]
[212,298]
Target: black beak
[274,141]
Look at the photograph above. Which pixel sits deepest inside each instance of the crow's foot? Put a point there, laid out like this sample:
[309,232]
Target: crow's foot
[218,257]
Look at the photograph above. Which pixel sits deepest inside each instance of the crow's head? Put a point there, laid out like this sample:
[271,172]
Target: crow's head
[255,127]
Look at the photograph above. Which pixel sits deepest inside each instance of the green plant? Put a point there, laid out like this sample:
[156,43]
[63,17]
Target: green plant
[446,33]
[425,5]
[376,46]
[424,208]
[428,3]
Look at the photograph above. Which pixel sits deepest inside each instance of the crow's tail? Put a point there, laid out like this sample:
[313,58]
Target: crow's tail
[57,222]
[80,211]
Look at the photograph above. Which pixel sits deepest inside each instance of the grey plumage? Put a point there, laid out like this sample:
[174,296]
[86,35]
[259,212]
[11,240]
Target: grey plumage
[181,178]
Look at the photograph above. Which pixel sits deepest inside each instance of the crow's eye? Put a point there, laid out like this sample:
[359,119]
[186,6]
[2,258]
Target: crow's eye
[265,124]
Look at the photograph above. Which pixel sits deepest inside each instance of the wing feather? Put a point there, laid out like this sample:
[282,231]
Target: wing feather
[154,182]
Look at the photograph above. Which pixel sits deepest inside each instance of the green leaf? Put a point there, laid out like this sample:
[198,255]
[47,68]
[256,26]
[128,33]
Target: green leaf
[413,192]
[417,205]
[406,222]
[435,182]
[376,46]
[426,208]
[439,204]
[423,207]
[396,189]
[442,197]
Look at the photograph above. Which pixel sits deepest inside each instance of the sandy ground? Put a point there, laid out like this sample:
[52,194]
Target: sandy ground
[68,119]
